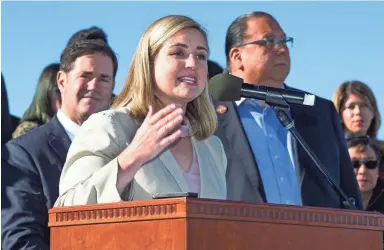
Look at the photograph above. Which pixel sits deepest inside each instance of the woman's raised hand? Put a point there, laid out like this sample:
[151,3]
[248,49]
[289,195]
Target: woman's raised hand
[157,132]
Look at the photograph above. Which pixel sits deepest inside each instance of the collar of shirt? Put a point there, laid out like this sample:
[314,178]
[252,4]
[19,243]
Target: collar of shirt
[239,102]
[70,126]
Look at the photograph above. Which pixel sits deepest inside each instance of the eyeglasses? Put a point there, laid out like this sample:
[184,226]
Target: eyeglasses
[370,164]
[271,42]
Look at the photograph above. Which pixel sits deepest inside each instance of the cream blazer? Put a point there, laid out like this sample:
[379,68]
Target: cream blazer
[89,175]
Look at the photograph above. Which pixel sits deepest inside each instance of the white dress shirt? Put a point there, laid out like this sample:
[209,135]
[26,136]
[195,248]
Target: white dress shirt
[70,127]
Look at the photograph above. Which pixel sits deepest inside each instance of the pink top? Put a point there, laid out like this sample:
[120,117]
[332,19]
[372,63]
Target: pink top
[193,175]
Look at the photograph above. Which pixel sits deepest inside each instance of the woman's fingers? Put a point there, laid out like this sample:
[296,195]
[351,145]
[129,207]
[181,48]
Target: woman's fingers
[162,113]
[150,111]
[157,126]
[149,114]
[168,140]
[168,124]
[157,132]
[166,120]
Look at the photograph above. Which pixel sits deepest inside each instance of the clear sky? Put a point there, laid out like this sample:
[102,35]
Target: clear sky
[334,41]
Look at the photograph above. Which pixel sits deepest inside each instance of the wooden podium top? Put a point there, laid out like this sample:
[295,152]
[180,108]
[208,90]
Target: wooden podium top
[161,209]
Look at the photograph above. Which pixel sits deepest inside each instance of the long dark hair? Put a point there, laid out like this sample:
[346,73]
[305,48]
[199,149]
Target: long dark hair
[40,110]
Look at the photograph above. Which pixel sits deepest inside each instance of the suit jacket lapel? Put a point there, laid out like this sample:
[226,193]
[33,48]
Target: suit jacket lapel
[239,146]
[58,139]
[304,123]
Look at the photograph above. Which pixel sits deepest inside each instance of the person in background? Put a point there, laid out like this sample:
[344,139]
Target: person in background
[6,124]
[31,164]
[92,32]
[366,157]
[358,110]
[158,136]
[9,122]
[45,103]
[265,162]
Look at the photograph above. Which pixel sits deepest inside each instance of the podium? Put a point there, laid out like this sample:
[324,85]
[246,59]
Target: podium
[204,224]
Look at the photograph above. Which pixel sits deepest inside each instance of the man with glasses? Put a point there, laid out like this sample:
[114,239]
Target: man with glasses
[365,158]
[265,163]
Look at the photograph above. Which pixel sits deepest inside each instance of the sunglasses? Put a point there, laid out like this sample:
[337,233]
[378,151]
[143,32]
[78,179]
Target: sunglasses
[370,164]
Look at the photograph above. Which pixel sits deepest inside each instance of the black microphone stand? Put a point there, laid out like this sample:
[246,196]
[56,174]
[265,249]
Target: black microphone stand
[281,107]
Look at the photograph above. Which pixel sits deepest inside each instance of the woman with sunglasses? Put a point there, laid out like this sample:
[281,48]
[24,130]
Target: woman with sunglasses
[365,157]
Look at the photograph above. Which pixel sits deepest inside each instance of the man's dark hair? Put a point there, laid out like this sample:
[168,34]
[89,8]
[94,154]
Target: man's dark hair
[93,32]
[237,31]
[87,42]
[213,69]
[362,142]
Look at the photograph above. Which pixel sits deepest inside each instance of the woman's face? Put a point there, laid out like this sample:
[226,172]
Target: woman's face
[357,115]
[366,177]
[181,69]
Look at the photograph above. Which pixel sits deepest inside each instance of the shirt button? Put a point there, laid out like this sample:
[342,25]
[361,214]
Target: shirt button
[276,157]
[281,179]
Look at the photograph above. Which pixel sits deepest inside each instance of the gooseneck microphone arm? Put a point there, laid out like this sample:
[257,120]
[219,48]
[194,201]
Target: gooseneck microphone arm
[287,122]
[226,87]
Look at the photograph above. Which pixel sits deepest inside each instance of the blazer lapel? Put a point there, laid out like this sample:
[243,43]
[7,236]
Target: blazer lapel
[174,169]
[58,139]
[209,188]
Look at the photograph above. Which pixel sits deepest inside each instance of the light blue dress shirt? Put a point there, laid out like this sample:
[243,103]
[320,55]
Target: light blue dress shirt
[272,146]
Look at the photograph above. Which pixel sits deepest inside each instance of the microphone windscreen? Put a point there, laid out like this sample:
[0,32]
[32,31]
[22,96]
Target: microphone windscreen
[225,87]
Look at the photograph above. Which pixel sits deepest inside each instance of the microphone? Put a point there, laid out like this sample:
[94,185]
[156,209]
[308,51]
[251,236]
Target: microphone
[226,87]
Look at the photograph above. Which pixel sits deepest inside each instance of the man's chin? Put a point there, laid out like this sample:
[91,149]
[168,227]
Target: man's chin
[88,110]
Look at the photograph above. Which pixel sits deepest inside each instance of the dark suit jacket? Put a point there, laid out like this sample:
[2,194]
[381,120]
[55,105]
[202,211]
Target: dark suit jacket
[30,172]
[6,125]
[320,127]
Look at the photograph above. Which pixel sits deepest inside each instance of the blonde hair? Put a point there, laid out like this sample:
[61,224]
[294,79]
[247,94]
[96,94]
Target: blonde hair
[363,91]
[138,90]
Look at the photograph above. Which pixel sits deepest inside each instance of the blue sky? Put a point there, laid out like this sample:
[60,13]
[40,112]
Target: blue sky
[334,41]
